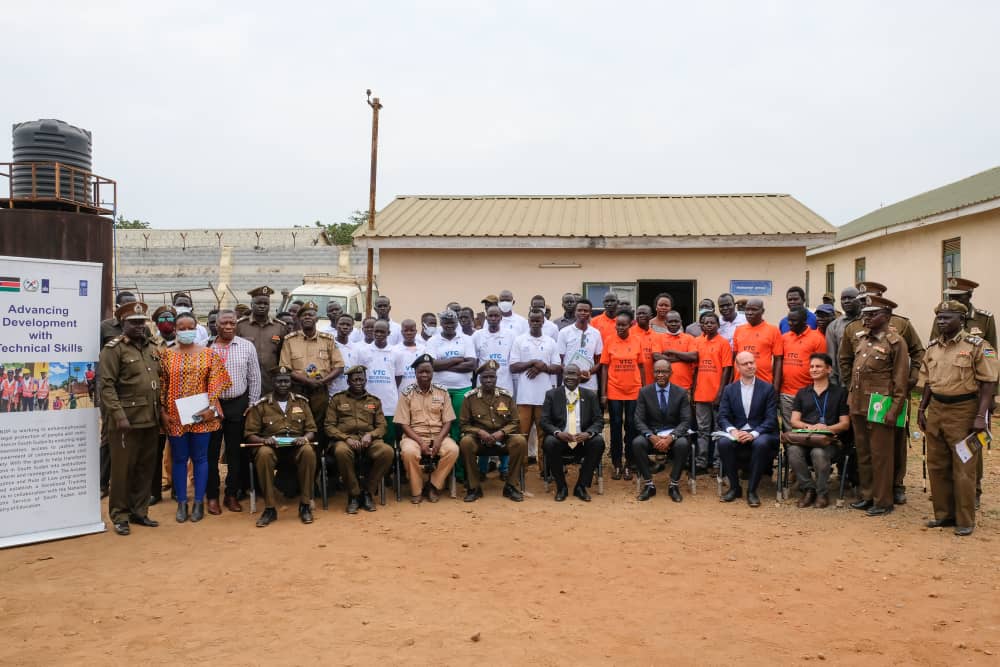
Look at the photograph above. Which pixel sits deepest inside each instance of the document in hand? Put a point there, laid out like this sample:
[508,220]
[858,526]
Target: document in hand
[188,406]
[878,407]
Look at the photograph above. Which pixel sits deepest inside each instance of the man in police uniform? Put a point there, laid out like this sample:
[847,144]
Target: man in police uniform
[425,415]
[915,350]
[978,322]
[490,427]
[959,375]
[265,332]
[282,414]
[880,365]
[314,360]
[129,374]
[356,425]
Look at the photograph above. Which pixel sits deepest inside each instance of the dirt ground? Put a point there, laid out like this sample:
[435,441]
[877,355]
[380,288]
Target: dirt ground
[494,582]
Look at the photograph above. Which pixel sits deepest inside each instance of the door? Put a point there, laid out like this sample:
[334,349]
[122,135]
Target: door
[683,292]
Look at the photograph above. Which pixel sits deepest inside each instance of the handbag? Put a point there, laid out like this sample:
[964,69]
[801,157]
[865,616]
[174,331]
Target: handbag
[807,438]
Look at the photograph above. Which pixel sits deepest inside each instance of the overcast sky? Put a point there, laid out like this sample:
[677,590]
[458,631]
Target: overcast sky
[249,114]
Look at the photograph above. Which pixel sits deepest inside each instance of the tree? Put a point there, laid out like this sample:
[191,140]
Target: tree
[122,223]
[341,233]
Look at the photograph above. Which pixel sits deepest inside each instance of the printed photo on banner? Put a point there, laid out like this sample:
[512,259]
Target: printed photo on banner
[47,385]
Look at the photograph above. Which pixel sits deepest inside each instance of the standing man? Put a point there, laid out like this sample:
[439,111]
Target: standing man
[825,314]
[384,365]
[572,420]
[729,317]
[511,321]
[605,322]
[467,320]
[569,311]
[408,351]
[763,341]
[333,312]
[550,328]
[29,385]
[42,397]
[454,356]
[264,332]
[490,427]
[651,341]
[713,369]
[240,359]
[662,416]
[959,374]
[582,345]
[130,397]
[622,377]
[428,327]
[493,343]
[352,354]
[356,426]
[677,343]
[314,360]
[111,327]
[835,332]
[534,358]
[425,415]
[748,414]
[381,306]
[799,344]
[282,414]
[880,366]
[704,306]
[795,297]
[978,322]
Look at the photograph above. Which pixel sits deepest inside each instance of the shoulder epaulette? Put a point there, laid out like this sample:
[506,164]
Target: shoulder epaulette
[435,384]
[114,341]
[975,340]
[245,318]
[933,343]
[262,399]
[902,317]
[323,334]
[338,394]
[859,334]
[504,392]
[980,311]
[471,392]
[293,334]
[298,396]
[408,390]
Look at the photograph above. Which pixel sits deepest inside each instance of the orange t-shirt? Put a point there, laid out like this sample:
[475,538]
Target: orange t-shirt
[764,341]
[714,356]
[604,324]
[622,359]
[795,367]
[651,343]
[683,371]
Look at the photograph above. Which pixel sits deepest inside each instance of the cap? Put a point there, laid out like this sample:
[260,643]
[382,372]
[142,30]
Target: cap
[490,298]
[280,370]
[136,310]
[449,315]
[356,368]
[825,308]
[263,290]
[872,302]
[869,287]
[960,286]
[422,359]
[951,306]
[308,305]
[829,295]
[490,365]
[163,309]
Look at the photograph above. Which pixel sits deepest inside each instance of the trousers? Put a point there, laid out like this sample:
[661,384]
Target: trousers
[875,447]
[953,483]
[409,451]
[379,456]
[192,446]
[621,415]
[267,459]
[589,454]
[515,447]
[132,456]
[705,416]
[642,448]
[237,458]
[761,451]
[821,458]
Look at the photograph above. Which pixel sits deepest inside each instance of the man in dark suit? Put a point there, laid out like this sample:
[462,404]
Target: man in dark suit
[572,421]
[749,414]
[661,407]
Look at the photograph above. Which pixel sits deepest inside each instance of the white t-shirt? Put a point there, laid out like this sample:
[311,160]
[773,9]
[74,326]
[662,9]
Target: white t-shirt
[580,348]
[384,364]
[459,346]
[727,329]
[531,391]
[353,355]
[514,324]
[395,335]
[407,355]
[495,346]
[549,328]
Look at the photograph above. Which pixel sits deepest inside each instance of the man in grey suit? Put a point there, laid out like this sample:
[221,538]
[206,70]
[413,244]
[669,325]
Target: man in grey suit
[572,421]
[662,414]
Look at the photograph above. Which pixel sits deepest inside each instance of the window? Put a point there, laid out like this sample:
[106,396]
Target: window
[859,270]
[951,260]
[595,293]
[831,283]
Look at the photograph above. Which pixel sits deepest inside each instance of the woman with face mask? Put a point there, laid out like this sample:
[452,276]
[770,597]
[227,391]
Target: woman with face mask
[187,369]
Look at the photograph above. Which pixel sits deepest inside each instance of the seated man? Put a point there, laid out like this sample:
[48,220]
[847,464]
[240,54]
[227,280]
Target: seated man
[749,414]
[356,426]
[820,406]
[279,415]
[490,427]
[425,415]
[662,416]
[572,420]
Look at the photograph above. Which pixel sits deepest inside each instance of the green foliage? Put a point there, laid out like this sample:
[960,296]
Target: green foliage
[122,223]
[341,233]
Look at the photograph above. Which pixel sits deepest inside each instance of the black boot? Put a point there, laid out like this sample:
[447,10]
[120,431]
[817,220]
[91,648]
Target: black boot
[182,512]
[197,512]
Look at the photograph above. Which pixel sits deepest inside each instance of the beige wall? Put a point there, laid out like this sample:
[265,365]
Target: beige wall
[909,264]
[425,280]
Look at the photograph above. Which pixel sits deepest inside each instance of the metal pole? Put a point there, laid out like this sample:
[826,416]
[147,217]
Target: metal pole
[375,105]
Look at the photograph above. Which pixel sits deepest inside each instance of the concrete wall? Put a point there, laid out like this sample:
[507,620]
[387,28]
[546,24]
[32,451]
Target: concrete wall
[426,280]
[909,264]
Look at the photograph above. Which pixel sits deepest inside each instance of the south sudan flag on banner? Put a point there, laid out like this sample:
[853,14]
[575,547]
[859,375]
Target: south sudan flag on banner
[10,284]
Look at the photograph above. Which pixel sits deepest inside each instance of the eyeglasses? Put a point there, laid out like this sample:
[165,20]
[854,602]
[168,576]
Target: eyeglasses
[165,318]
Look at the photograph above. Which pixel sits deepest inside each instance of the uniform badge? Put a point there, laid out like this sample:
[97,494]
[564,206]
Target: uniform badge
[503,408]
[989,353]
[275,339]
[296,410]
[369,406]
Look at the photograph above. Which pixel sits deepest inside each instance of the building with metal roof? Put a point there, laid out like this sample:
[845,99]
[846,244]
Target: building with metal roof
[435,249]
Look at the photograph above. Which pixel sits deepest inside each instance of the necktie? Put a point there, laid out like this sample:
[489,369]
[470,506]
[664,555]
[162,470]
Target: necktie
[571,416]
[663,400]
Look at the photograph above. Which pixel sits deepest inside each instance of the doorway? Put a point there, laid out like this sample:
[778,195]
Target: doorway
[684,293]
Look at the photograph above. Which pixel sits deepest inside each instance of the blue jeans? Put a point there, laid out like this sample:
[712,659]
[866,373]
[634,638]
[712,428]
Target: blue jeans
[621,413]
[195,447]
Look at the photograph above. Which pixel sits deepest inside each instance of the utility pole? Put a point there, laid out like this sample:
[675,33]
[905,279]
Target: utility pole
[374,103]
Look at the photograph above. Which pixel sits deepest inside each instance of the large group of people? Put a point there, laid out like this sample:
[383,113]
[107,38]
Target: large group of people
[456,392]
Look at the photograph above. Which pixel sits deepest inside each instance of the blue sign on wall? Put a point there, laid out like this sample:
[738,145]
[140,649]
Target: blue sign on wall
[750,287]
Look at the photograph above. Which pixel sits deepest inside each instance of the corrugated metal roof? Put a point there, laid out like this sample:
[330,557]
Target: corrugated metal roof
[972,190]
[607,216]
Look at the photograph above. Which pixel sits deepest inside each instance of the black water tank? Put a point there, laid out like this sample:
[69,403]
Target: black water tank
[50,140]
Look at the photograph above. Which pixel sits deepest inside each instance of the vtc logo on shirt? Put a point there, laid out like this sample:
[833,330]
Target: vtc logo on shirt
[496,356]
[451,353]
[379,373]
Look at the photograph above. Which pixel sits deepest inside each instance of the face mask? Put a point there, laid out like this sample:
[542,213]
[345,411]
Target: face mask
[182,309]
[430,331]
[165,327]
[187,337]
[506,306]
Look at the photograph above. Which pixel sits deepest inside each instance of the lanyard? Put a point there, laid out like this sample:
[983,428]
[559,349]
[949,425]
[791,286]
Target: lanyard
[822,411]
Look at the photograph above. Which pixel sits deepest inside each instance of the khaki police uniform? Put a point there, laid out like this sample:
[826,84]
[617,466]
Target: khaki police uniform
[266,419]
[129,372]
[491,413]
[880,365]
[314,356]
[350,416]
[953,371]
[266,338]
[425,412]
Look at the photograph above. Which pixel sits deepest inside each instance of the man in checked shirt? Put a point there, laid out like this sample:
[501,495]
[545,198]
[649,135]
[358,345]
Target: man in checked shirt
[240,357]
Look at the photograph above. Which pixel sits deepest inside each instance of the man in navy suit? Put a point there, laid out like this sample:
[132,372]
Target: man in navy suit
[749,414]
[660,407]
[572,420]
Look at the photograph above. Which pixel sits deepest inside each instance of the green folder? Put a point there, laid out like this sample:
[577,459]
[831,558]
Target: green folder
[878,406]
